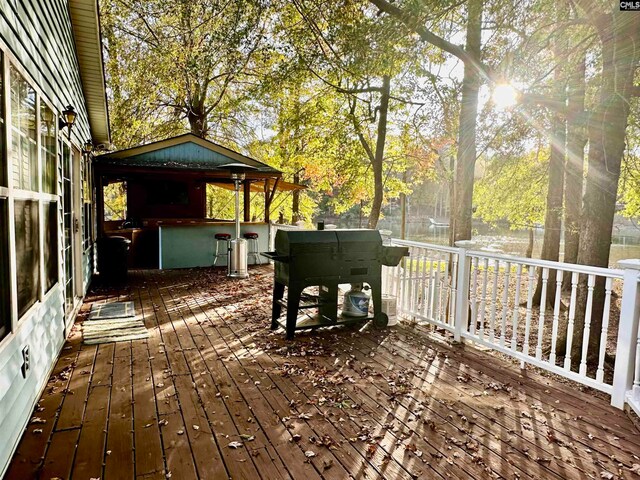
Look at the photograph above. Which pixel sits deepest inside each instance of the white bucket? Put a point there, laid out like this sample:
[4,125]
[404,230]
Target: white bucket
[390,307]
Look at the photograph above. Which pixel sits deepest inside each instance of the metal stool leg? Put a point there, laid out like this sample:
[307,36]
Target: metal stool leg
[218,254]
[253,250]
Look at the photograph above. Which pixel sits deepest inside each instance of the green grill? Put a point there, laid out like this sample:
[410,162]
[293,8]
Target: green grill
[326,259]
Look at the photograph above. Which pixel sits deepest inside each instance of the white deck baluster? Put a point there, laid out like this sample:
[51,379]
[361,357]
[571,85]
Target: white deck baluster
[473,296]
[556,316]
[413,287]
[572,318]
[527,324]
[494,300]
[423,288]
[483,300]
[505,302]
[453,289]
[431,286]
[516,311]
[403,282]
[543,305]
[439,291]
[605,329]
[587,325]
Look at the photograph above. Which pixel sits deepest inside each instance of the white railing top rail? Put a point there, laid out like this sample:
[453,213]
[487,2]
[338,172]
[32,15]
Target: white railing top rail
[428,246]
[572,267]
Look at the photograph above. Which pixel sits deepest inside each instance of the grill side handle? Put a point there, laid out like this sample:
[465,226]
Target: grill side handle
[275,257]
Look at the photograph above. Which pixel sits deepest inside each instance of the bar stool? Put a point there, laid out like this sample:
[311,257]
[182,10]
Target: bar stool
[254,249]
[224,238]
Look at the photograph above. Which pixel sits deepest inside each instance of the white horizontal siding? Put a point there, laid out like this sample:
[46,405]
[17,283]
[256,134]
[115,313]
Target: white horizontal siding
[43,331]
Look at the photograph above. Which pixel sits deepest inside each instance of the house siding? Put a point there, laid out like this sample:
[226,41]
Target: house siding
[38,36]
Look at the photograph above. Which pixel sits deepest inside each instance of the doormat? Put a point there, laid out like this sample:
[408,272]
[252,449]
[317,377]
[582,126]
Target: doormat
[113,322]
[100,311]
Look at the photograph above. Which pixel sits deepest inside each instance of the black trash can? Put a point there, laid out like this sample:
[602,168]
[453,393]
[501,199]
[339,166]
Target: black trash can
[112,258]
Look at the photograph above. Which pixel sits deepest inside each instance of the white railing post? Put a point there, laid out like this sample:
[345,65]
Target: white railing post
[624,372]
[461,319]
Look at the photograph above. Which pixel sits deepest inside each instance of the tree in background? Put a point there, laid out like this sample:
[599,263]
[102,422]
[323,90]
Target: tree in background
[173,64]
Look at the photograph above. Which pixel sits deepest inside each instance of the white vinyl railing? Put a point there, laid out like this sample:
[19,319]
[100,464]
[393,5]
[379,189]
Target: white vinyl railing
[577,321]
[274,227]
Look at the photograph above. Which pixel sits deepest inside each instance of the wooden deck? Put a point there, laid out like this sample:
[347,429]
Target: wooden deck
[213,394]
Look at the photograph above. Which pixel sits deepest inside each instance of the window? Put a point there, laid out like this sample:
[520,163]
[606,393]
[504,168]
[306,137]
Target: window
[115,201]
[27,253]
[50,245]
[48,148]
[24,153]
[5,293]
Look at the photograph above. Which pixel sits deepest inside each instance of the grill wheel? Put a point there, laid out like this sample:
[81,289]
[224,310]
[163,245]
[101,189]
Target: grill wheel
[380,320]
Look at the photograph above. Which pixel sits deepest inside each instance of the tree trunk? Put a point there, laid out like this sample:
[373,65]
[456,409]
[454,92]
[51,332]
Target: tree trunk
[553,217]
[374,216]
[529,253]
[295,207]
[466,156]
[197,119]
[574,165]
[620,37]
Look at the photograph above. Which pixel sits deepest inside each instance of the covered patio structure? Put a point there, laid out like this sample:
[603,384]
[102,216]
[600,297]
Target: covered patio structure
[165,208]
[214,394]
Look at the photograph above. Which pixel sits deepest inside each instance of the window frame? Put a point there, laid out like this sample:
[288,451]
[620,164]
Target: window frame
[11,193]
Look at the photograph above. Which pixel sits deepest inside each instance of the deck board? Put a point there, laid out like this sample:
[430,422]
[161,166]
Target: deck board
[369,404]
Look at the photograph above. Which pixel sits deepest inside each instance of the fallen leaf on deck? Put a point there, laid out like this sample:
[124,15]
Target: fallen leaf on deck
[196,427]
[247,438]
[235,445]
[371,450]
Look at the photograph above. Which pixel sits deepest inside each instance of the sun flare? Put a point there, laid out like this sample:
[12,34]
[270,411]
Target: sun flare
[504,96]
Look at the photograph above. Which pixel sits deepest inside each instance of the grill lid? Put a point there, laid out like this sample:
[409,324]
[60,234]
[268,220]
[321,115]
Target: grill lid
[289,242]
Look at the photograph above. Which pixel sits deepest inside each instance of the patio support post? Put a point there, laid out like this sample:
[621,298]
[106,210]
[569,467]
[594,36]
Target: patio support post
[247,200]
[461,319]
[266,200]
[98,182]
[626,374]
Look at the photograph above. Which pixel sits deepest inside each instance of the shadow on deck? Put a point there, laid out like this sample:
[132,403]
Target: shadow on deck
[214,394]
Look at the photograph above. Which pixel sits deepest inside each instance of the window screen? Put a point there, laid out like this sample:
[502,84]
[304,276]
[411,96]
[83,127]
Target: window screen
[27,253]
[24,154]
[5,293]
[48,149]
[50,244]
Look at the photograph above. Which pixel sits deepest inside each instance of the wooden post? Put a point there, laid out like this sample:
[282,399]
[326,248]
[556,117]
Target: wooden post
[266,200]
[625,367]
[295,205]
[247,200]
[99,203]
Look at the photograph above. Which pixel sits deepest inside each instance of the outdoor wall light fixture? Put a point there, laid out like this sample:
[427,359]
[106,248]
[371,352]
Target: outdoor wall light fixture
[68,118]
[87,148]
